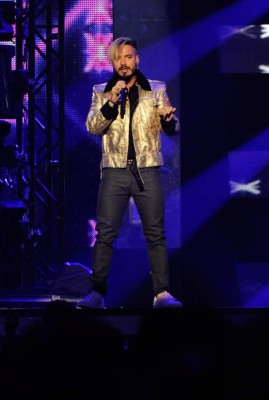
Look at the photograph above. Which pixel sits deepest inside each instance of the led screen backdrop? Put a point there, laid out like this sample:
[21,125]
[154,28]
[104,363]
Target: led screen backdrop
[244,56]
[90,26]
[88,34]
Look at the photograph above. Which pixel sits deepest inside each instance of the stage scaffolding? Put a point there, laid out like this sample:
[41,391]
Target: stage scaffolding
[39,124]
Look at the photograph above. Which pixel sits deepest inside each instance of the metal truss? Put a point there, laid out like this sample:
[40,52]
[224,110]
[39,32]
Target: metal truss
[41,47]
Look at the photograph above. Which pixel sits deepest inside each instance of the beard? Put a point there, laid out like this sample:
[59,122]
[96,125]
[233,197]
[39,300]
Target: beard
[125,78]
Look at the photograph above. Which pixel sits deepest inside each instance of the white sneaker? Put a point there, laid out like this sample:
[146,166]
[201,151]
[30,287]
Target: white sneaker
[92,300]
[166,300]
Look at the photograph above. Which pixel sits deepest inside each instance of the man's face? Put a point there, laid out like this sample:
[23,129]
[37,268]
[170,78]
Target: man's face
[126,61]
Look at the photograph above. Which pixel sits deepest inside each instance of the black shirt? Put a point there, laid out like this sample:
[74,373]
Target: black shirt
[133,99]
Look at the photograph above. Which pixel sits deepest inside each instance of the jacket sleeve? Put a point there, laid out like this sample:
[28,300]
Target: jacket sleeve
[96,123]
[169,127]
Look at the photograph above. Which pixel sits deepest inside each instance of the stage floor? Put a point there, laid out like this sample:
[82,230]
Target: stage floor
[27,310]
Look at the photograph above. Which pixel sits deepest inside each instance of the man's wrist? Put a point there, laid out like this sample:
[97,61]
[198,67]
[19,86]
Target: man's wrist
[115,103]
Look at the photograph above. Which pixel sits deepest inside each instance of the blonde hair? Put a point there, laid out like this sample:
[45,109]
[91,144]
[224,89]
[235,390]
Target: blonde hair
[117,43]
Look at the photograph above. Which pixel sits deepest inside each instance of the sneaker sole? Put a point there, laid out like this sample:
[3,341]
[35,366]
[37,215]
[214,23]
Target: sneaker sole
[90,308]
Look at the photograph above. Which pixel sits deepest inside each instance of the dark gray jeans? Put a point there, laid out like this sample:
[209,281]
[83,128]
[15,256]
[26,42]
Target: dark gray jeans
[116,187]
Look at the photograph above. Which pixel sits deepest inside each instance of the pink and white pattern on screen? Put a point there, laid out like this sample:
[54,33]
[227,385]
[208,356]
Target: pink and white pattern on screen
[97,32]
[91,231]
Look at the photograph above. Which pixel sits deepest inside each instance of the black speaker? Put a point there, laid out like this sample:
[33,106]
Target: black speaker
[11,242]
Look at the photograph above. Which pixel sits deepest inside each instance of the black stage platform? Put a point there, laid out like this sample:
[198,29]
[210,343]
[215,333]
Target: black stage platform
[167,333]
[30,310]
[25,311]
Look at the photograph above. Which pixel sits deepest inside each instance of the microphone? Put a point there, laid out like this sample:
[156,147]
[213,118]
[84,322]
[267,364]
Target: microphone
[122,95]
[124,91]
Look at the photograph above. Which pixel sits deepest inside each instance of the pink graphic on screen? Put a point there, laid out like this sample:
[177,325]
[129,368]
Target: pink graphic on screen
[97,32]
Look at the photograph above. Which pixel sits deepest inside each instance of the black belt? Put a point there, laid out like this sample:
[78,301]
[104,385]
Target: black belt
[136,173]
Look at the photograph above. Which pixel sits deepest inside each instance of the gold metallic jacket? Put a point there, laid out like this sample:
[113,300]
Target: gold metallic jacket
[146,126]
